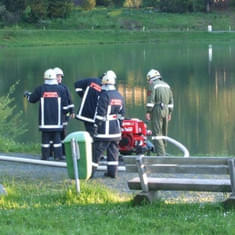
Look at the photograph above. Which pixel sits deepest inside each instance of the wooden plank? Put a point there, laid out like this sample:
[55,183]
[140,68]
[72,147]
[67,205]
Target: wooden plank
[184,169]
[188,169]
[178,160]
[186,161]
[131,168]
[129,159]
[177,184]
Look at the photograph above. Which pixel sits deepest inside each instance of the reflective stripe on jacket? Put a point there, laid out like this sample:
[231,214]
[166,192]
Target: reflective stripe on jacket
[89,90]
[53,105]
[110,112]
[159,93]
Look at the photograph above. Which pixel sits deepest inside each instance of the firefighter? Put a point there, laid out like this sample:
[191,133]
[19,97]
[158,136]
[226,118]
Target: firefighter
[89,90]
[159,108]
[53,105]
[108,118]
[70,108]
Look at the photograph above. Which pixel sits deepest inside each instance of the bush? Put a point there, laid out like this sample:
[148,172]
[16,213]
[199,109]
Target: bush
[88,4]
[132,3]
[59,8]
[104,3]
[11,124]
[8,18]
[181,6]
[35,11]
[15,5]
[151,3]
[118,3]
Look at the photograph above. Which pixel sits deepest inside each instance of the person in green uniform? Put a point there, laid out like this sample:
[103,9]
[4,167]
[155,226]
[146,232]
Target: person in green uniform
[159,108]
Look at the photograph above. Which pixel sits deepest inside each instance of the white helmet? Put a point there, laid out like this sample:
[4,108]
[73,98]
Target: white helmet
[49,74]
[109,78]
[153,74]
[58,71]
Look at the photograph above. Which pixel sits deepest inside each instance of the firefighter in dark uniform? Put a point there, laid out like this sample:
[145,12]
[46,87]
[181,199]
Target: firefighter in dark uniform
[70,108]
[53,104]
[108,118]
[89,90]
[159,108]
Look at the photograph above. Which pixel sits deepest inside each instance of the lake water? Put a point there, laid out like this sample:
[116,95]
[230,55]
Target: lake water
[202,78]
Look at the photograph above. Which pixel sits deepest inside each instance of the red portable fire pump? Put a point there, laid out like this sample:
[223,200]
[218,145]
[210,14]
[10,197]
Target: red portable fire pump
[134,137]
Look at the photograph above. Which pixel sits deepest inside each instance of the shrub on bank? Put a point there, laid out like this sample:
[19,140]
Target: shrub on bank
[88,4]
[32,11]
[181,6]
[12,126]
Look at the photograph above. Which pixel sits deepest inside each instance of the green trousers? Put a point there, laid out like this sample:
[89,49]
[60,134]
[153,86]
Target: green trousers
[159,124]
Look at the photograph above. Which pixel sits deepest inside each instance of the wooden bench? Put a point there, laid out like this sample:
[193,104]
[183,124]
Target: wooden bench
[180,175]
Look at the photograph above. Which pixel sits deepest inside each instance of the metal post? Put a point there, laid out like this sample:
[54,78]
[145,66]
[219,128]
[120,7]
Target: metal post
[231,163]
[142,173]
[76,156]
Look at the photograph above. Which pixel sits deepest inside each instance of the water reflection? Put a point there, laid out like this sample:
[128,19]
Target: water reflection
[201,77]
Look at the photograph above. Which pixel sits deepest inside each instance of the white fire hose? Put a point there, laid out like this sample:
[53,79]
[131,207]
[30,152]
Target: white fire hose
[47,163]
[173,141]
[100,167]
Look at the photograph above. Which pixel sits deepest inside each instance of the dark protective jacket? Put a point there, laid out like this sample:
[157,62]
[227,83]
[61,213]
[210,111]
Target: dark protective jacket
[110,113]
[70,107]
[89,90]
[52,107]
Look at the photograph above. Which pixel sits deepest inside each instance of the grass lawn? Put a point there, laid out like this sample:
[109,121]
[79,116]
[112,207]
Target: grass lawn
[121,25]
[44,207]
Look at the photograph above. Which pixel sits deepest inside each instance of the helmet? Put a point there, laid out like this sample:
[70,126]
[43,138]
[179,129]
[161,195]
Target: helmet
[49,74]
[58,71]
[109,78]
[153,74]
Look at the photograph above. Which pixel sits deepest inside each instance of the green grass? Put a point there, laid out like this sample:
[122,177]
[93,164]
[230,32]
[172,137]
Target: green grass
[122,25]
[58,38]
[54,208]
[126,18]
[8,145]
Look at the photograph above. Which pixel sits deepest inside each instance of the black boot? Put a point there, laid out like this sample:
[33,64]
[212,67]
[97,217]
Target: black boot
[106,174]
[93,172]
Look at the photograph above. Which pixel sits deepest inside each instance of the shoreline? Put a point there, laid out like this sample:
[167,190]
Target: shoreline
[44,38]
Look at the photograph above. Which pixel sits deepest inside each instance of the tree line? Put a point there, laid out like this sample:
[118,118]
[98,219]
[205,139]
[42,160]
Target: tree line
[33,11]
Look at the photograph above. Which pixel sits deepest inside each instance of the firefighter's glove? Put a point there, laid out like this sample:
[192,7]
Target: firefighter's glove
[27,94]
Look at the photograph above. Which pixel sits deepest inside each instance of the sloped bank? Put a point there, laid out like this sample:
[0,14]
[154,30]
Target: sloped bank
[33,38]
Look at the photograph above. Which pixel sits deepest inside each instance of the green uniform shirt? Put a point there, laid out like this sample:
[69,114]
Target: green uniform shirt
[159,93]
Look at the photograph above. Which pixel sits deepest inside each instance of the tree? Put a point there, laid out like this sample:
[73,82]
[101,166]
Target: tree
[16,6]
[88,4]
[59,8]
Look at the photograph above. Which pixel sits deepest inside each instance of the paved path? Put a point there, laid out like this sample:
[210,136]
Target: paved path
[29,172]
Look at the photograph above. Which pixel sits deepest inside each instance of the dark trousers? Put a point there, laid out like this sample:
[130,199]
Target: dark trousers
[55,137]
[62,137]
[89,126]
[112,155]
